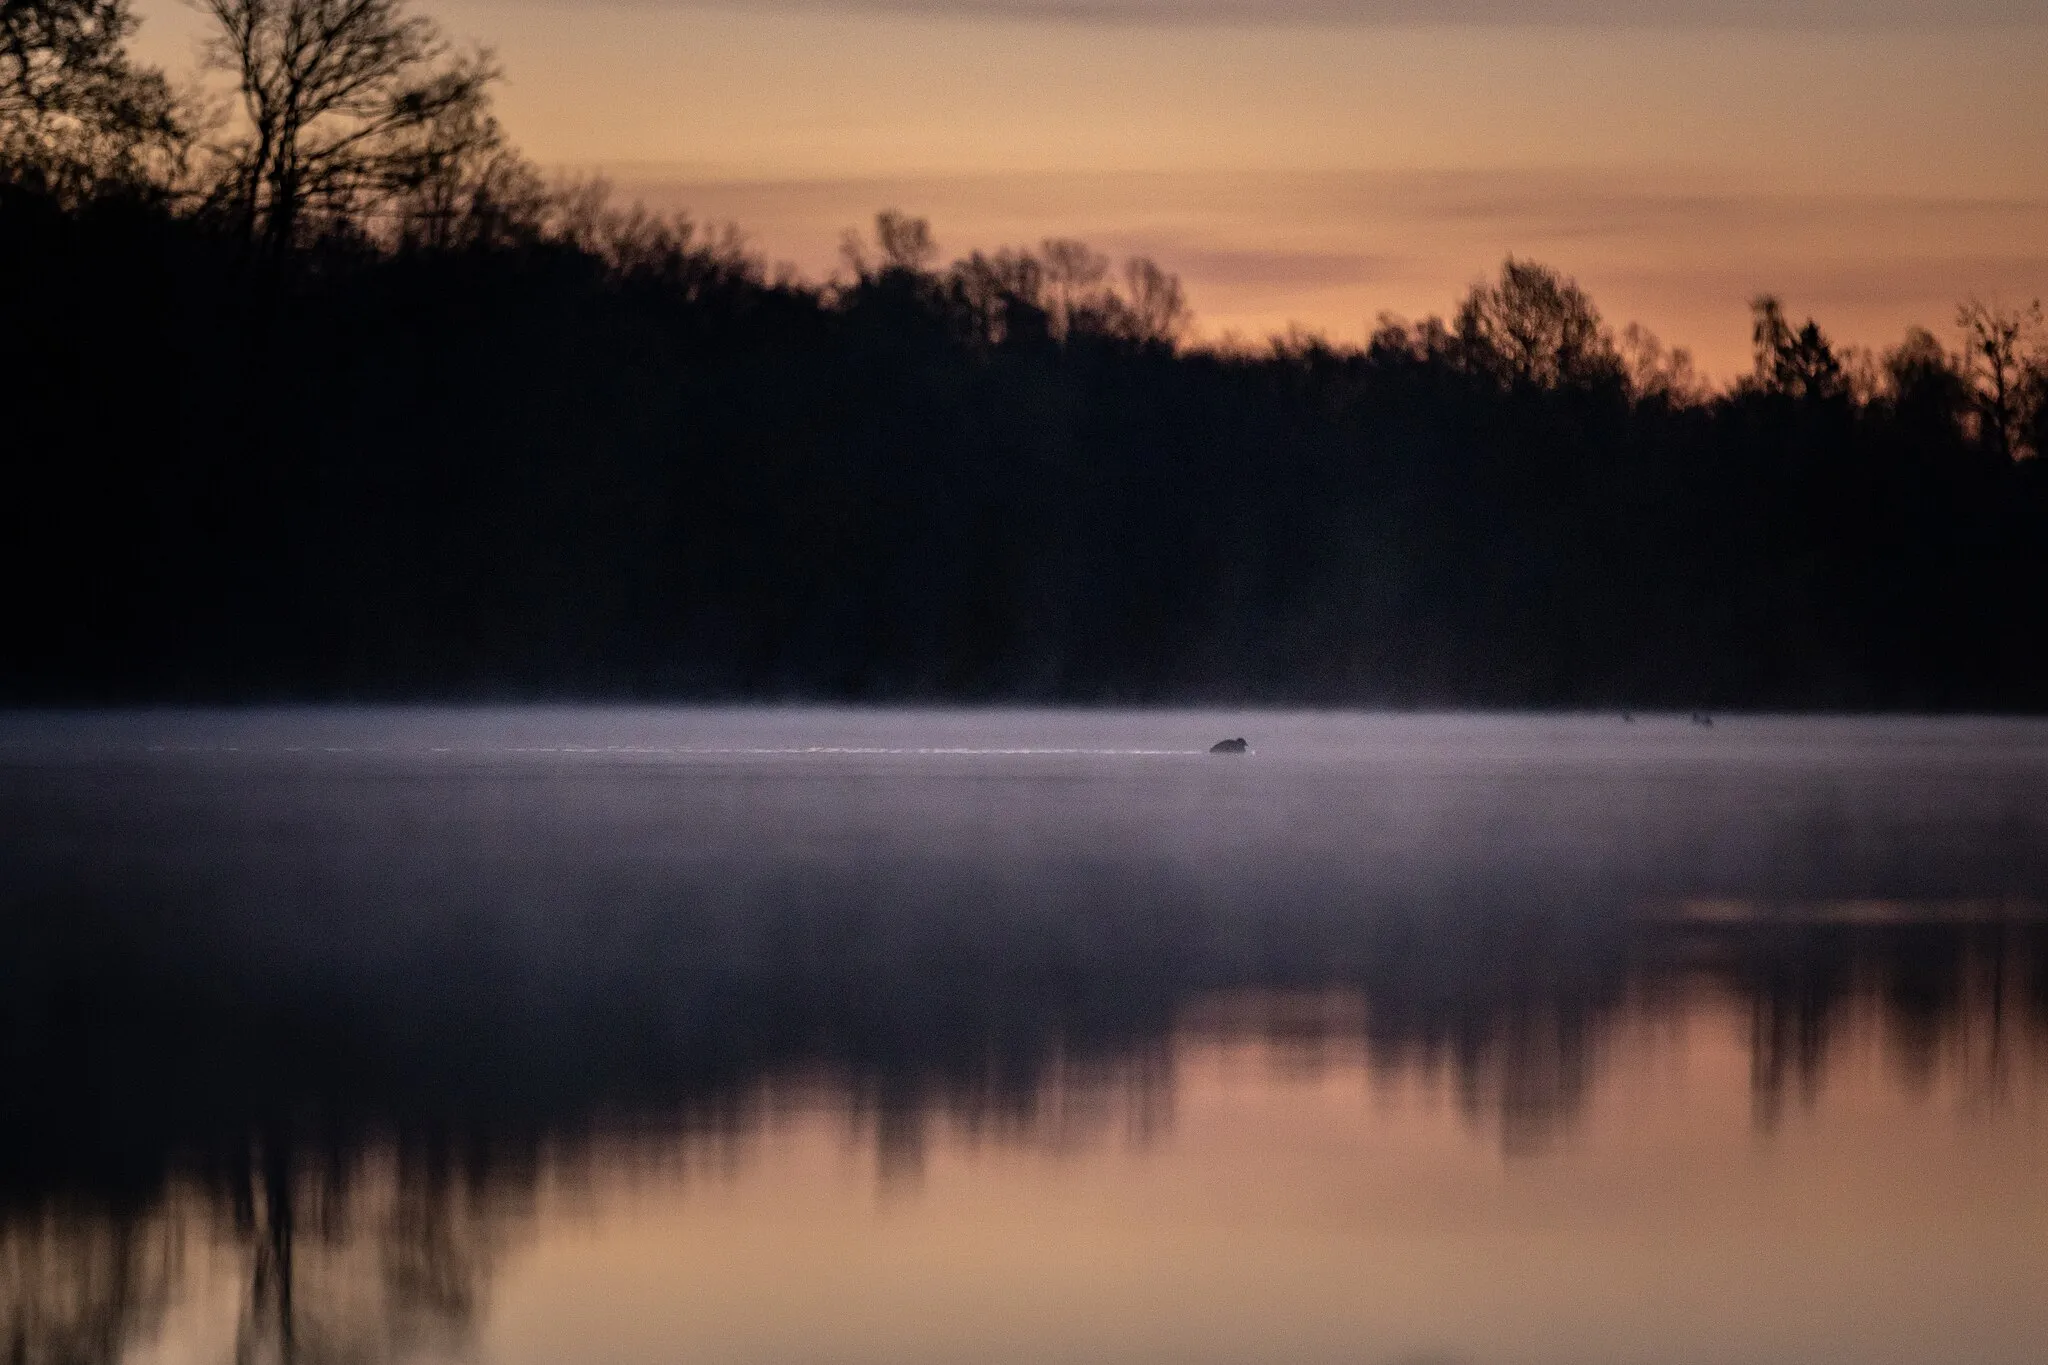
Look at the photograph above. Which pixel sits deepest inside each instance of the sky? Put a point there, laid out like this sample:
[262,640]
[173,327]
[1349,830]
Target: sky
[1318,162]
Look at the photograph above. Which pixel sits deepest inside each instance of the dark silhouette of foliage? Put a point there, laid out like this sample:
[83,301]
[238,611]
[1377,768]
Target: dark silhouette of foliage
[76,116]
[448,431]
[2003,361]
[1535,327]
[1794,361]
[353,109]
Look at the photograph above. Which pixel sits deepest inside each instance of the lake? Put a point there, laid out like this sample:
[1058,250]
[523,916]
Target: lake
[769,1035]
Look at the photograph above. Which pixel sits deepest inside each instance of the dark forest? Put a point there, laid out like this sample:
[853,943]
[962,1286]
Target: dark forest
[322,392]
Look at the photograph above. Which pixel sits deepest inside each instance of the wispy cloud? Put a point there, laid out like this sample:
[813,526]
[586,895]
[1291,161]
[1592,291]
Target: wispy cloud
[1681,252]
[1768,14]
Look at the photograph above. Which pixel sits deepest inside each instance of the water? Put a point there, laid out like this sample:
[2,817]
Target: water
[760,1036]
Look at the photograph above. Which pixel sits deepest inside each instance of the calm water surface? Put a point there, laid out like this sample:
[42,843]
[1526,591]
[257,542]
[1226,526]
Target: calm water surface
[835,1036]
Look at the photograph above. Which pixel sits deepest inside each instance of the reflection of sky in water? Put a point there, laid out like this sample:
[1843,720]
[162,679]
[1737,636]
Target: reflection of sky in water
[1264,1183]
[549,1035]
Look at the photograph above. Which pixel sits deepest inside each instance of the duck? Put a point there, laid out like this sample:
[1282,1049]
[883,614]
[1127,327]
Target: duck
[1230,746]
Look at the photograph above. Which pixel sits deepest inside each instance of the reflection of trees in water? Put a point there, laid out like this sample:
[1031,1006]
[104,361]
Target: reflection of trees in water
[1965,1001]
[335,1254]
[374,1254]
[1527,1066]
[1521,1018]
[1517,1016]
[1514,1016]
[370,1230]
[80,1282]
[1068,1103]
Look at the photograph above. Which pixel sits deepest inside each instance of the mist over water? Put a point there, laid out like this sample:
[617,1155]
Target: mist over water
[1005,1035]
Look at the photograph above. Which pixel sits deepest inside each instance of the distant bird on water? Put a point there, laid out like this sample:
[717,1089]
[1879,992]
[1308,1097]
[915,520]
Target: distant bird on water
[1702,718]
[1230,746]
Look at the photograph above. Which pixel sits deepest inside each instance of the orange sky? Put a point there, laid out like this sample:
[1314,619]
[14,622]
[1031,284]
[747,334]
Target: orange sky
[1317,161]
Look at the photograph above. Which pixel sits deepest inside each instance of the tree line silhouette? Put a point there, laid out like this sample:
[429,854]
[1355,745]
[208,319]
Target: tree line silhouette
[315,388]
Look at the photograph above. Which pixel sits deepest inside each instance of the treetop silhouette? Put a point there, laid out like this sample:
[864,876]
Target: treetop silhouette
[340,398]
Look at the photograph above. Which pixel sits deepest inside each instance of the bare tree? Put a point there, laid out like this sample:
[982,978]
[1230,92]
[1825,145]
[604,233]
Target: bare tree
[75,113]
[346,103]
[1002,295]
[1536,326]
[1155,306]
[904,244]
[1659,374]
[2004,359]
[1073,270]
[463,185]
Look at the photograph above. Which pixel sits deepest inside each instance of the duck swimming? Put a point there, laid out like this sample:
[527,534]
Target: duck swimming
[1230,746]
